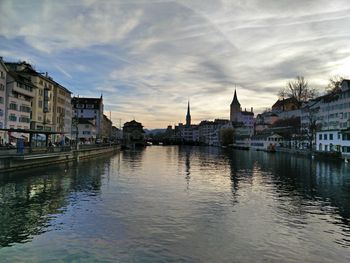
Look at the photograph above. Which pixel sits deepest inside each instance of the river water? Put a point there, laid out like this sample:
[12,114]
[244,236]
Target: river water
[178,204]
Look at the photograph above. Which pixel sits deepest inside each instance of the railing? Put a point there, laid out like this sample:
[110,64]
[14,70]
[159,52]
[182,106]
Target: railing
[13,151]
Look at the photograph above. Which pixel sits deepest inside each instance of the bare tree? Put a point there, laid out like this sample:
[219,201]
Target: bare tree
[298,89]
[312,126]
[334,85]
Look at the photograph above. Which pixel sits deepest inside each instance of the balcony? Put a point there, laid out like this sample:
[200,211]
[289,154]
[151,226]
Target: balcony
[25,90]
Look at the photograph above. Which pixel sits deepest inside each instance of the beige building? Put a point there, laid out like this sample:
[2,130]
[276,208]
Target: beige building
[106,128]
[62,111]
[42,117]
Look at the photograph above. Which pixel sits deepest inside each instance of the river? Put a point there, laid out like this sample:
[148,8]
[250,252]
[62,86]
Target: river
[178,204]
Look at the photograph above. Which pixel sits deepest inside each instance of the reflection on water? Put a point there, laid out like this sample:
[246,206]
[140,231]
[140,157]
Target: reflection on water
[189,204]
[29,201]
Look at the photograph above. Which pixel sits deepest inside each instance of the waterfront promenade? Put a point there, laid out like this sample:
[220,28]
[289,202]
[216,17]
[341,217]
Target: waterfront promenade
[14,159]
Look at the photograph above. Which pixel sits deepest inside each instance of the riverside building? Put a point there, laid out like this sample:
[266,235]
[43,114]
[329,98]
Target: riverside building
[3,77]
[332,118]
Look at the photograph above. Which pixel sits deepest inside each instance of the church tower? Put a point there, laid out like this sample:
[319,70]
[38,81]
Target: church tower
[188,116]
[235,109]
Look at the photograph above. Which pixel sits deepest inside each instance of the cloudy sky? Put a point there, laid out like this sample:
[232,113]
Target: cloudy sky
[148,57]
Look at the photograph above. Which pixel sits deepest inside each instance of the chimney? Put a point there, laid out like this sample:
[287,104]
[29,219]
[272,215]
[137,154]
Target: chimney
[46,74]
[251,109]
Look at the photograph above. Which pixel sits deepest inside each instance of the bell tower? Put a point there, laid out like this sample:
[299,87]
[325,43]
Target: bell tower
[235,109]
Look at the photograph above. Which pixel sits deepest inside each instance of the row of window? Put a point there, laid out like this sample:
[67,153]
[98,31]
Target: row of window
[24,119]
[345,137]
[22,108]
[331,148]
[86,106]
[25,87]
[336,107]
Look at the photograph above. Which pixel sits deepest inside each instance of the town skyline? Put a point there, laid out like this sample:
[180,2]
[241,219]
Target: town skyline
[149,58]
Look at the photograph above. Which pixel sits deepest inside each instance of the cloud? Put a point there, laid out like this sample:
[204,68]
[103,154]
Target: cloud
[149,57]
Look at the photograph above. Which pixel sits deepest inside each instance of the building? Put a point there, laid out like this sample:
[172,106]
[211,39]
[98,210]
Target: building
[3,96]
[62,111]
[266,142]
[20,94]
[288,104]
[235,109]
[133,132]
[117,134]
[106,128]
[329,117]
[42,104]
[187,133]
[86,131]
[264,120]
[241,118]
[91,108]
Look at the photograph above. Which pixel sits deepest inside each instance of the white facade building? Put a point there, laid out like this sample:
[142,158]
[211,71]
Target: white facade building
[91,108]
[332,117]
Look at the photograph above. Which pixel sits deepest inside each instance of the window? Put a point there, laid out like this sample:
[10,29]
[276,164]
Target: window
[320,137]
[13,106]
[80,106]
[1,112]
[326,148]
[40,92]
[24,119]
[40,104]
[2,87]
[331,136]
[12,117]
[1,100]
[2,75]
[24,108]
[89,106]
[324,136]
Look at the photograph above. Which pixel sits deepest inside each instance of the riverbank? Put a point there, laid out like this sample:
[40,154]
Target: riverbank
[14,161]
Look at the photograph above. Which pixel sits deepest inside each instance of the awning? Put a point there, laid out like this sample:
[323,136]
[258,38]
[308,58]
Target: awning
[15,135]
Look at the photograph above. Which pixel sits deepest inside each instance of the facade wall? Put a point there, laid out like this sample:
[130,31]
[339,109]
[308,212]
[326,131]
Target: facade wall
[3,77]
[329,141]
[18,108]
[62,110]
[42,120]
[89,108]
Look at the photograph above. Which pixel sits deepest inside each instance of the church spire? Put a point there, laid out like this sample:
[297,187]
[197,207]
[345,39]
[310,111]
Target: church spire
[235,100]
[188,116]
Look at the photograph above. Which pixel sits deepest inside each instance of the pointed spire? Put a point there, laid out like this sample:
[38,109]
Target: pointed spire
[235,100]
[188,116]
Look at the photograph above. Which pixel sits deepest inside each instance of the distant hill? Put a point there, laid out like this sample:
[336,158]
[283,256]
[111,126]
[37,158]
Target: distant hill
[154,131]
